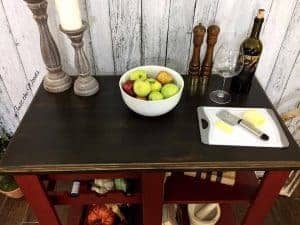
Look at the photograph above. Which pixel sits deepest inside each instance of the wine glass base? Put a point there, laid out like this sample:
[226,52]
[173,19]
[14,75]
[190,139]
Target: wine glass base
[220,97]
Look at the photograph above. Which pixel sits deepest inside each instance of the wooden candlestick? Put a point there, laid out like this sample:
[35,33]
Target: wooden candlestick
[56,80]
[85,84]
[199,32]
[212,37]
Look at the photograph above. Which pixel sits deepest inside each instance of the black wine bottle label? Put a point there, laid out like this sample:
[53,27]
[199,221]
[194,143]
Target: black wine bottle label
[250,63]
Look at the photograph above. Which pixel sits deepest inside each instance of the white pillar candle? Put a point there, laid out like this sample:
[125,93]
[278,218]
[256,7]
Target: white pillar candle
[69,14]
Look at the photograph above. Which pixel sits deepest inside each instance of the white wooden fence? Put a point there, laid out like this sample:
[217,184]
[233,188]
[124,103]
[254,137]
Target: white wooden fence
[126,33]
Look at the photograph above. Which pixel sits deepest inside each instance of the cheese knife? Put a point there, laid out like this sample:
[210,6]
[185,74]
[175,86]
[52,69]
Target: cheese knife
[233,120]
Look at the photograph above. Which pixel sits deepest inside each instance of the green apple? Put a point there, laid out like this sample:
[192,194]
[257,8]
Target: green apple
[155,95]
[138,75]
[168,90]
[155,85]
[141,88]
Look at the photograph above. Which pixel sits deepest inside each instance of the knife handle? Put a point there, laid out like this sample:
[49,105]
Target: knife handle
[250,127]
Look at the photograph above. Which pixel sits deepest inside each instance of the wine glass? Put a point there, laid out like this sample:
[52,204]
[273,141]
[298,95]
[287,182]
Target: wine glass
[228,62]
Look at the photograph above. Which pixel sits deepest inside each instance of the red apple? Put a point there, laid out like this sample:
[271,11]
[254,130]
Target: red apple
[128,87]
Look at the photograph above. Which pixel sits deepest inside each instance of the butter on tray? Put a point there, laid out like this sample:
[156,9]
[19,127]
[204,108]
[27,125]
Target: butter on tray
[254,117]
[225,127]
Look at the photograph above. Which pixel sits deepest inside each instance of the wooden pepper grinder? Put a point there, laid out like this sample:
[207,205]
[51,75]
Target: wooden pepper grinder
[199,32]
[212,37]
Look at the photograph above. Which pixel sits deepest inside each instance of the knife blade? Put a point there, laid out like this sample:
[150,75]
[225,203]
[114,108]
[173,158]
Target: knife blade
[234,120]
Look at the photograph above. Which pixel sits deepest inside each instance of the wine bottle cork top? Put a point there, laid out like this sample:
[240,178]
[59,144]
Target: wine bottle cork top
[260,14]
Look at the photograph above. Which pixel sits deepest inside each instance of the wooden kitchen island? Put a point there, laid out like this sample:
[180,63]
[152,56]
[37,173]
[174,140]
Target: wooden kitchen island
[66,137]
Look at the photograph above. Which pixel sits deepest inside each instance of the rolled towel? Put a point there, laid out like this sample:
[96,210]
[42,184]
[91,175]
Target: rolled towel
[226,177]
[102,186]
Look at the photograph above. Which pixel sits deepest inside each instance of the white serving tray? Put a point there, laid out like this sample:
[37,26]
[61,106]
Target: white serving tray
[211,135]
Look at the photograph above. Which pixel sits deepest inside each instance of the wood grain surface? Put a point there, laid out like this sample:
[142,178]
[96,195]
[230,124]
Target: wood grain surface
[12,69]
[272,37]
[125,23]
[127,33]
[180,34]
[109,136]
[155,25]
[284,65]
[26,42]
[291,91]
[101,39]
[8,119]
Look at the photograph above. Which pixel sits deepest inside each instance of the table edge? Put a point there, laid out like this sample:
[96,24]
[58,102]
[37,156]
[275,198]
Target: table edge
[239,165]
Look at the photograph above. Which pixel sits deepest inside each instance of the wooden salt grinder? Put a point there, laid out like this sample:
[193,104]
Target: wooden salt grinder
[199,32]
[212,37]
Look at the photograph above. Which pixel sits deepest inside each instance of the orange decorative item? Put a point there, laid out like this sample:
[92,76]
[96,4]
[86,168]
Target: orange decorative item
[100,215]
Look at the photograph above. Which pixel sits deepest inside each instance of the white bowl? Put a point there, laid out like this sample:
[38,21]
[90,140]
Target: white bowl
[204,214]
[152,108]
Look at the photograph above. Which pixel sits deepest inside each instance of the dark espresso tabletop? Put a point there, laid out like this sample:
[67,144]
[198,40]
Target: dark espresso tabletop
[67,133]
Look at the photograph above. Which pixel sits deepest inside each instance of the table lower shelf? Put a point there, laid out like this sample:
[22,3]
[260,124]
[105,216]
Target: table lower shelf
[178,189]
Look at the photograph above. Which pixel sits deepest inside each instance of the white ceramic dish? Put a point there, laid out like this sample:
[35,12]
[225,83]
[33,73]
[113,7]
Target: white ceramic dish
[204,214]
[152,108]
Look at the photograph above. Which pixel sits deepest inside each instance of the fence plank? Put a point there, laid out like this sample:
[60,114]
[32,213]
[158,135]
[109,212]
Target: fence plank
[11,68]
[125,19]
[235,19]
[99,20]
[272,36]
[290,98]
[127,33]
[8,120]
[26,39]
[180,33]
[155,16]
[286,59]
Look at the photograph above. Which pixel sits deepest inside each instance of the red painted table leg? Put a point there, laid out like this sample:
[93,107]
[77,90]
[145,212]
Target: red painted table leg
[36,196]
[265,197]
[153,187]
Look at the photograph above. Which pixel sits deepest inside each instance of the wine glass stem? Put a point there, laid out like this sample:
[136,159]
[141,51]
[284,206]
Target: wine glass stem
[223,86]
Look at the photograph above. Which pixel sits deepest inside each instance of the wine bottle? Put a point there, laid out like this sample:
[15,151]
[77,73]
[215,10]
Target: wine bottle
[251,50]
